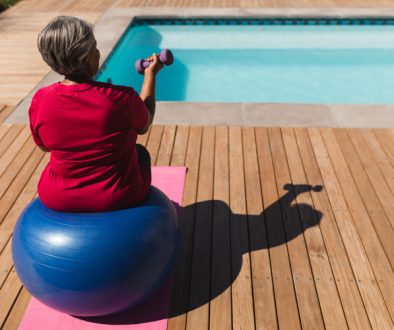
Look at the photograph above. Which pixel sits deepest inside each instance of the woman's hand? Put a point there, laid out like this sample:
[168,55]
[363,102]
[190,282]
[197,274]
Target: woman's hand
[148,89]
[155,64]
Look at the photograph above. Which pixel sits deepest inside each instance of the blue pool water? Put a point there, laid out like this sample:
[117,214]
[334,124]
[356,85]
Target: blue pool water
[299,61]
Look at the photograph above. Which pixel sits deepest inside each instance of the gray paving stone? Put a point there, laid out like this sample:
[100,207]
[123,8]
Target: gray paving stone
[258,114]
[186,113]
[364,116]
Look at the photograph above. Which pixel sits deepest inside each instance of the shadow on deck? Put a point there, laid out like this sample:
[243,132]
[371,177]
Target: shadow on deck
[226,240]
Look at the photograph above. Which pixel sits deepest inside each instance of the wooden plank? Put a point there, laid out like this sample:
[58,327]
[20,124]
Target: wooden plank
[366,228]
[9,137]
[198,316]
[382,190]
[220,306]
[167,143]
[308,303]
[180,291]
[370,209]
[242,297]
[351,301]
[27,194]
[12,286]
[154,140]
[20,182]
[380,157]
[263,294]
[180,146]
[370,293]
[28,6]
[18,310]
[8,293]
[4,128]
[285,298]
[5,262]
[13,149]
[19,173]
[13,169]
[310,217]
[384,137]
[5,112]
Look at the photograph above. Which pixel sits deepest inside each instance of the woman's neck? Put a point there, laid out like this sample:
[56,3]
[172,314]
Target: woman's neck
[69,82]
[75,80]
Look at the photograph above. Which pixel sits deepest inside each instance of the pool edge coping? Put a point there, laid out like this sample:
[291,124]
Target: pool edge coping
[116,20]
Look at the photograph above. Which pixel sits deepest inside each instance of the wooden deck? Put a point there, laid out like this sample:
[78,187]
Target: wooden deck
[281,227]
[284,228]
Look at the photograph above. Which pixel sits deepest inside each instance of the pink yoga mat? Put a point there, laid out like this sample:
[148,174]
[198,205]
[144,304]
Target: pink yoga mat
[152,315]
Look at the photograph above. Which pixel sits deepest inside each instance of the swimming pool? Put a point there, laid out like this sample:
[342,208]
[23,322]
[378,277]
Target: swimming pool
[323,61]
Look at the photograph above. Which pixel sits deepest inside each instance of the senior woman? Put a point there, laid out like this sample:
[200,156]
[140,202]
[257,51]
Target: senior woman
[90,128]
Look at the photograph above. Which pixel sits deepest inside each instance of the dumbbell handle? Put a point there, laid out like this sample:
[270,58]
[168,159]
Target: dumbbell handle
[165,57]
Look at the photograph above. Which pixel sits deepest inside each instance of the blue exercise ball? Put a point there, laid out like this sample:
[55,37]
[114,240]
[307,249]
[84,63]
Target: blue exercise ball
[92,264]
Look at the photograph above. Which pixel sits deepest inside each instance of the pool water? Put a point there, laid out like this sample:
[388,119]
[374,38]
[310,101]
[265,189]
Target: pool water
[334,62]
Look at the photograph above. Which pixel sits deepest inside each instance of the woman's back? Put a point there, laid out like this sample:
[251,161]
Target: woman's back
[90,130]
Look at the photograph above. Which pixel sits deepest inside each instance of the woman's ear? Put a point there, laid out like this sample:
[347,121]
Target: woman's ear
[93,60]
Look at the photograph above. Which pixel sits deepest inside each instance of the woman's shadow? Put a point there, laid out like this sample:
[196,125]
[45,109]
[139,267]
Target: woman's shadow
[210,264]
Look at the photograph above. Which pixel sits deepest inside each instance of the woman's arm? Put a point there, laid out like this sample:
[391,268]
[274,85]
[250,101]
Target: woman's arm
[148,89]
[43,148]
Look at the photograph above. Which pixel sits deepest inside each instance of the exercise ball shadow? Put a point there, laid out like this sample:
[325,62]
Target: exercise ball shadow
[215,225]
[90,264]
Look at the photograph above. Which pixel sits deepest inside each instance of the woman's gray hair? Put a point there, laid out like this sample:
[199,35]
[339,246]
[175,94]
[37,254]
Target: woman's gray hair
[64,44]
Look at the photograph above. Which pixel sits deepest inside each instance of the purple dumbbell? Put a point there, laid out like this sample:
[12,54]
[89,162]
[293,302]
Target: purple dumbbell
[165,57]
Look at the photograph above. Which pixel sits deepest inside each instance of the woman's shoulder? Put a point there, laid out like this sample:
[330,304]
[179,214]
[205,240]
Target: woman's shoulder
[116,93]
[44,91]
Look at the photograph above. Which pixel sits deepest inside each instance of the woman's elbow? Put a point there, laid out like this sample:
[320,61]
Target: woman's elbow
[143,130]
[43,148]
